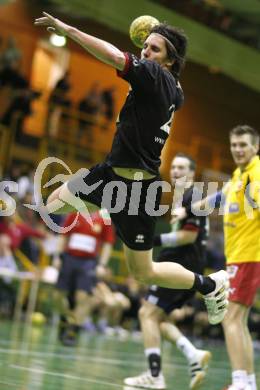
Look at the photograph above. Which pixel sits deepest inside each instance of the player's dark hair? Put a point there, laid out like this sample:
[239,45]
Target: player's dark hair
[179,41]
[245,129]
[191,160]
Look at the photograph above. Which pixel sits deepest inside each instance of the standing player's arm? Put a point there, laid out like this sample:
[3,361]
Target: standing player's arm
[102,50]
[61,245]
[253,191]
[207,204]
[105,254]
[62,201]
[258,198]
[104,257]
[178,238]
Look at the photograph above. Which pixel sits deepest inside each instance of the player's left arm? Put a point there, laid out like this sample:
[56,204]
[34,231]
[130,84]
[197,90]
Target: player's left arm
[207,204]
[105,254]
[108,238]
[102,50]
[178,238]
[253,191]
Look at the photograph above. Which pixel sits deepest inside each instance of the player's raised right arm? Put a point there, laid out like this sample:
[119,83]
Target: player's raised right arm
[100,49]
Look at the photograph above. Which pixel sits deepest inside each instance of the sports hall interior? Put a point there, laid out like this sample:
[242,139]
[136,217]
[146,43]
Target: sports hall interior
[221,83]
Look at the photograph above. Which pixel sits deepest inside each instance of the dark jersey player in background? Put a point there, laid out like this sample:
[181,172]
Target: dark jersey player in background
[143,128]
[186,244]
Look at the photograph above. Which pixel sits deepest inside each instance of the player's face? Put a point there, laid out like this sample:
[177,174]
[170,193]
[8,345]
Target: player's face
[180,172]
[242,149]
[154,49]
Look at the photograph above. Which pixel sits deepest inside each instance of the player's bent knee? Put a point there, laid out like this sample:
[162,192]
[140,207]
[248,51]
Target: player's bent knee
[143,317]
[231,328]
[232,323]
[122,301]
[164,327]
[58,299]
[143,313]
[145,277]
[149,311]
[53,196]
[236,314]
[81,297]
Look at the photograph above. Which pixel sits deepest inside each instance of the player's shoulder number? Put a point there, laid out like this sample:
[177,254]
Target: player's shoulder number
[167,126]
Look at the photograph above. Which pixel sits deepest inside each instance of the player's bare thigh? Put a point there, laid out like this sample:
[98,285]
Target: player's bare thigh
[140,263]
[62,201]
[151,311]
[57,200]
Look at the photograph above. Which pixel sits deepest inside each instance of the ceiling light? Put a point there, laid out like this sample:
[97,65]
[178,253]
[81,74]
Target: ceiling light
[57,40]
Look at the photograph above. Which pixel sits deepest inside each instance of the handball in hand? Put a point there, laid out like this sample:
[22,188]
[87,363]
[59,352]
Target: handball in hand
[140,28]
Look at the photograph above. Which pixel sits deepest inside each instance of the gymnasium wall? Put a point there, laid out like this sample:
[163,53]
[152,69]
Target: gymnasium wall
[213,102]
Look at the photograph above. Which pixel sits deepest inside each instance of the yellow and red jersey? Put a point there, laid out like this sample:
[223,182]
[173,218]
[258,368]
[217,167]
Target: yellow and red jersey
[242,215]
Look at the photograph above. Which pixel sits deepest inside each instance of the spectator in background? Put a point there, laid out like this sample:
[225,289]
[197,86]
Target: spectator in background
[112,301]
[108,104]
[13,84]
[14,172]
[6,255]
[59,105]
[62,87]
[1,46]
[18,110]
[11,56]
[16,231]
[115,305]
[12,77]
[27,214]
[7,261]
[135,293]
[26,181]
[89,108]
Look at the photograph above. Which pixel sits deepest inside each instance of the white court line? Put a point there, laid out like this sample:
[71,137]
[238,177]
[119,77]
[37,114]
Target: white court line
[67,376]
[134,355]
[98,359]
[79,349]
[16,384]
[77,357]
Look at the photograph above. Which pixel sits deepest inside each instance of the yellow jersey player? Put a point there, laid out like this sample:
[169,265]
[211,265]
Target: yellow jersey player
[242,250]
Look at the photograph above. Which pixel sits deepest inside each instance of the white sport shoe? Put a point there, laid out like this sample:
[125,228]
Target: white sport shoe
[131,388]
[217,301]
[146,381]
[198,367]
[234,387]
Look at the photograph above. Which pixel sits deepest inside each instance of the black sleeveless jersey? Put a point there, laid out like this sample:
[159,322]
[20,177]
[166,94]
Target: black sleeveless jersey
[196,250]
[145,119]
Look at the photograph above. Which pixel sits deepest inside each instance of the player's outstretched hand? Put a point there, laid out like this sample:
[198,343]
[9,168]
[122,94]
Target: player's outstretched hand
[101,272]
[53,24]
[178,214]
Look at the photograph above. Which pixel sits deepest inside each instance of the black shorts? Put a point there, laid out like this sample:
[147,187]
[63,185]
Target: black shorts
[77,274]
[133,205]
[169,299]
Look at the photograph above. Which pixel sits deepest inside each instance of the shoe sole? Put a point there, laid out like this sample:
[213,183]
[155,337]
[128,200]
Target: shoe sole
[142,387]
[225,287]
[199,378]
[205,360]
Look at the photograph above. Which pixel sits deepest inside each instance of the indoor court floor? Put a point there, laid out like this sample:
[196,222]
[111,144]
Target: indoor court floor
[32,359]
